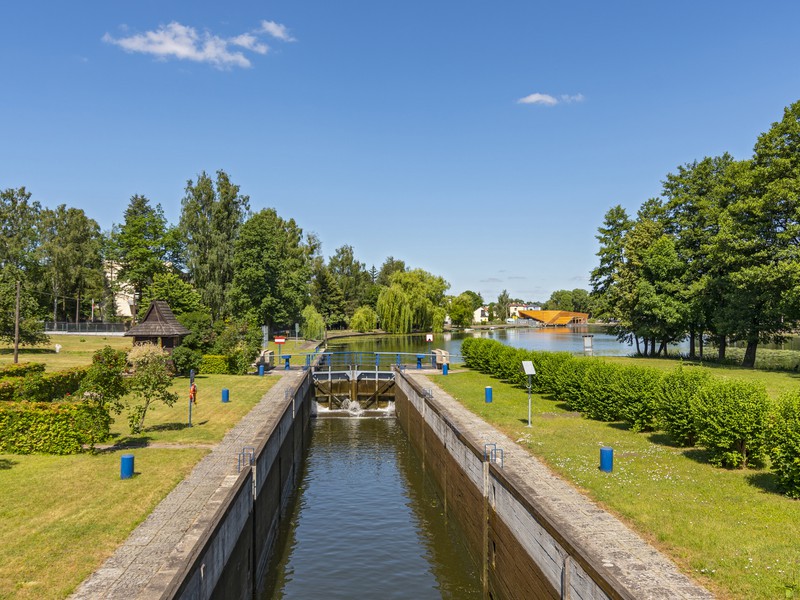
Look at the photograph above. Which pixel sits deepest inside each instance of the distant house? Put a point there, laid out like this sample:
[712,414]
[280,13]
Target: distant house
[481,315]
[514,309]
[160,327]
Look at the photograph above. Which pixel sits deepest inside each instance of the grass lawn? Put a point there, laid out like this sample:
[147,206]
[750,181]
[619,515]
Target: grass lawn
[729,529]
[76,350]
[61,516]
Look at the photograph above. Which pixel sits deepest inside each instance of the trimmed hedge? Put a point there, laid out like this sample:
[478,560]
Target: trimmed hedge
[21,369]
[42,387]
[727,417]
[217,364]
[52,428]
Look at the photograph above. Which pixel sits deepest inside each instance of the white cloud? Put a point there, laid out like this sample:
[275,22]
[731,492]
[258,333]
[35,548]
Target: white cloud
[186,43]
[250,42]
[277,31]
[538,98]
[548,100]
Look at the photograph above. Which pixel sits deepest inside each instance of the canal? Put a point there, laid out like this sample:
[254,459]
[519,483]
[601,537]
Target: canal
[367,522]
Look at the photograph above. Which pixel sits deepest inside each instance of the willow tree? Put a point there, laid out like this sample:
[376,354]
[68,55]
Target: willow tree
[394,310]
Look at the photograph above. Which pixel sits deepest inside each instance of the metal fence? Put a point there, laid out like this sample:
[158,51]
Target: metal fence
[85,328]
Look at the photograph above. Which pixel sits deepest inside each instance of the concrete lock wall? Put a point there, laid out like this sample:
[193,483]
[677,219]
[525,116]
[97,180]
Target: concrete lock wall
[231,562]
[520,550]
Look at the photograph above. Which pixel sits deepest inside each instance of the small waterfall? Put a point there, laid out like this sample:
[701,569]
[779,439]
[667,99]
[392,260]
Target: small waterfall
[353,407]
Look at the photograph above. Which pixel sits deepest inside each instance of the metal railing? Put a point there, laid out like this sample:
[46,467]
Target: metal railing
[86,327]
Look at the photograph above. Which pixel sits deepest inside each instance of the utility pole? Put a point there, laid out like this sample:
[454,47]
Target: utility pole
[16,327]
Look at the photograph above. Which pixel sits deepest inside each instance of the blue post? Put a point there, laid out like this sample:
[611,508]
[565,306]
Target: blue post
[433,360]
[260,370]
[377,360]
[191,376]
[126,466]
[488,394]
[398,359]
[606,459]
[225,394]
[308,362]
[419,360]
[286,366]
[444,369]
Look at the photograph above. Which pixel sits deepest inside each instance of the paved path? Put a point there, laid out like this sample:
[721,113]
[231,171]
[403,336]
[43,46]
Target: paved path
[647,573]
[141,564]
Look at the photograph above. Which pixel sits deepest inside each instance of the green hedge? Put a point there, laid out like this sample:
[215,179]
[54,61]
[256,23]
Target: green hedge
[42,387]
[52,428]
[21,369]
[217,364]
[727,417]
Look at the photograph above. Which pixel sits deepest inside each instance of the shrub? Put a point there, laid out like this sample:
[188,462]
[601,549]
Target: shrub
[216,364]
[39,387]
[185,359]
[364,319]
[731,417]
[636,391]
[52,428]
[150,381]
[784,443]
[675,396]
[568,382]
[104,381]
[21,369]
[593,391]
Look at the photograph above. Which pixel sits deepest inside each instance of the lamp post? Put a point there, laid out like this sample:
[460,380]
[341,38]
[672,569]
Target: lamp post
[527,368]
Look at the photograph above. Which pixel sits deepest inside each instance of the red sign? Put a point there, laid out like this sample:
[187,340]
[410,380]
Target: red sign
[280,340]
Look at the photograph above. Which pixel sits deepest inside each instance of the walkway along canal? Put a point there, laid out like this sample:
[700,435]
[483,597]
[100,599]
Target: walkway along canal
[530,534]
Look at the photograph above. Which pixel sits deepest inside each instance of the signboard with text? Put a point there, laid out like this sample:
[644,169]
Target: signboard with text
[280,340]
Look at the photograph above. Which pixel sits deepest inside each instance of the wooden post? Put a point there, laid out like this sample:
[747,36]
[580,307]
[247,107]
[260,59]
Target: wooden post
[16,327]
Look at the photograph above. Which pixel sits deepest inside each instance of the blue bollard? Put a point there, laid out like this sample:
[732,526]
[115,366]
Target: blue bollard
[419,360]
[126,466]
[260,370]
[488,394]
[225,394]
[286,366]
[606,459]
[444,369]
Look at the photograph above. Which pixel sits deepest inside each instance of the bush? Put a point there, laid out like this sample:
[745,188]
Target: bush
[364,319]
[731,417]
[636,390]
[593,391]
[52,428]
[216,364]
[21,369]
[39,387]
[675,397]
[185,359]
[784,443]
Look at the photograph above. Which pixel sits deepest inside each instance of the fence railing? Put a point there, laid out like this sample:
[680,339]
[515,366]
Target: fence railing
[87,327]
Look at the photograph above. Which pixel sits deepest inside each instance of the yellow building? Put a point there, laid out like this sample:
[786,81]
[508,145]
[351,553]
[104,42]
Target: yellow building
[555,318]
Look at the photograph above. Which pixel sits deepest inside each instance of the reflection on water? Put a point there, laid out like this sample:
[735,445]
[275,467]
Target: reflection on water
[549,339]
[368,523]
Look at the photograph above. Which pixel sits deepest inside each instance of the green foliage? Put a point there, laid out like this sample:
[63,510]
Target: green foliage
[214,364]
[104,381]
[181,297]
[364,319]
[591,388]
[636,391]
[52,428]
[461,311]
[150,381]
[42,387]
[202,333]
[185,359]
[731,418]
[675,397]
[784,443]
[313,325]
[394,310]
[31,327]
[21,369]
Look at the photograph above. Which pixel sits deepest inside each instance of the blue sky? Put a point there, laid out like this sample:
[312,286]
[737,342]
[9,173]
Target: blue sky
[482,141]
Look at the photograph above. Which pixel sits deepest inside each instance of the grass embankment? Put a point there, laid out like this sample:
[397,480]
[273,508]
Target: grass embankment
[75,351]
[729,529]
[61,516]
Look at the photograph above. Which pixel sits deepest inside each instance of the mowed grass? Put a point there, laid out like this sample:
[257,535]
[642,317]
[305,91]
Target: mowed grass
[76,350]
[728,529]
[62,516]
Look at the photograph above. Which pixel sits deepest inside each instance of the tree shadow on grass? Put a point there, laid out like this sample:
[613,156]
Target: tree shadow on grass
[621,425]
[698,455]
[663,439]
[170,426]
[766,482]
[6,464]
[28,351]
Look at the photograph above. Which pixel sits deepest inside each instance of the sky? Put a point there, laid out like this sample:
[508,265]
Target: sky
[480,141]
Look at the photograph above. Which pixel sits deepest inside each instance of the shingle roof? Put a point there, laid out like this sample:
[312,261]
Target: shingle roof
[158,322]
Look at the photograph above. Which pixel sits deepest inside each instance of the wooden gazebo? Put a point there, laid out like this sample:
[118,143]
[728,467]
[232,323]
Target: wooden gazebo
[159,326]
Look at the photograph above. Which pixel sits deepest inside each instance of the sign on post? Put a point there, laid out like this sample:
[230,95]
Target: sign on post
[280,340]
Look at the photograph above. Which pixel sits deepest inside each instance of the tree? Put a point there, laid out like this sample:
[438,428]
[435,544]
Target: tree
[211,217]
[461,310]
[104,381]
[271,270]
[394,310]
[141,244]
[560,300]
[351,276]
[389,267]
[313,327]
[150,382]
[31,328]
[476,300]
[364,320]
[605,277]
[327,297]
[502,304]
[581,301]
[182,297]
[19,234]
